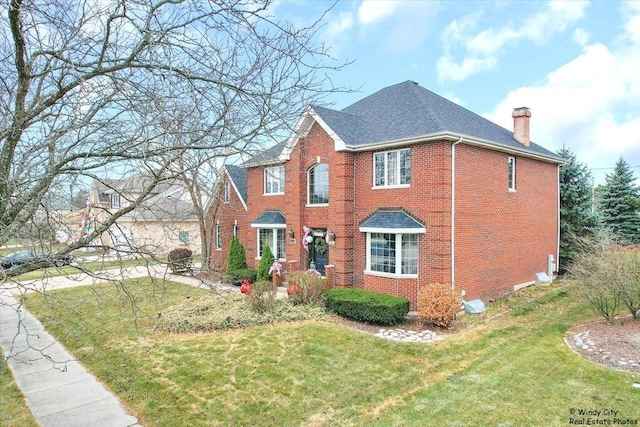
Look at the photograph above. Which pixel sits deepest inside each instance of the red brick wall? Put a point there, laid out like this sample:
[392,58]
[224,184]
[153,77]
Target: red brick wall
[428,199]
[226,214]
[502,238]
[337,216]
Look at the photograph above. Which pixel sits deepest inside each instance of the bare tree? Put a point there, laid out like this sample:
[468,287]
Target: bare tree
[136,86]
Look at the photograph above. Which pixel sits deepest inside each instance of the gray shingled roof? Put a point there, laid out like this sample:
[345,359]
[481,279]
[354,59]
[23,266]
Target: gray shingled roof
[391,219]
[270,218]
[239,177]
[407,110]
[268,156]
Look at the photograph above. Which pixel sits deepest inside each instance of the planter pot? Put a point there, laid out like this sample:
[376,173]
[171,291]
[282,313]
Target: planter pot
[277,280]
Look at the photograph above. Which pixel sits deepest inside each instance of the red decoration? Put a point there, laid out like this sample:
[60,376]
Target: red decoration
[245,287]
[293,289]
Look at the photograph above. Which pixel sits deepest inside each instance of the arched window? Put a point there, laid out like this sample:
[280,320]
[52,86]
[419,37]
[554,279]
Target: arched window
[318,184]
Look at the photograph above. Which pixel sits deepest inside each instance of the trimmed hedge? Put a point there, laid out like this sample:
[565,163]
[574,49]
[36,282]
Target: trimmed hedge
[366,306]
[237,276]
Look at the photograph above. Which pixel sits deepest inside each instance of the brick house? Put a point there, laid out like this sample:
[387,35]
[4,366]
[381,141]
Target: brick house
[401,189]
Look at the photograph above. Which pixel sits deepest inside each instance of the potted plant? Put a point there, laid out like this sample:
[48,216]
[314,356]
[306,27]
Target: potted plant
[276,273]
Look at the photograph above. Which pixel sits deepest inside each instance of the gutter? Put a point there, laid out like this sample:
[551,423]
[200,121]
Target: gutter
[455,138]
[453,210]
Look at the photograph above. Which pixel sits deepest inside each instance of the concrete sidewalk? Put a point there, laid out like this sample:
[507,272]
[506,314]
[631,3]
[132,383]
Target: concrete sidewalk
[59,391]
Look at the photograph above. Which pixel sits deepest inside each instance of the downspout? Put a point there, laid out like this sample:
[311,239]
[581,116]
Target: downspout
[453,209]
[558,234]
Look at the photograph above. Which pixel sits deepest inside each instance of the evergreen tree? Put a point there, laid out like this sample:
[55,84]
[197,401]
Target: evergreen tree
[237,259]
[266,262]
[620,204]
[577,219]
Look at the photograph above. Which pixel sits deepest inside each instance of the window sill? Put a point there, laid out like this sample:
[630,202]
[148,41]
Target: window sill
[390,187]
[390,275]
[317,205]
[273,194]
[512,190]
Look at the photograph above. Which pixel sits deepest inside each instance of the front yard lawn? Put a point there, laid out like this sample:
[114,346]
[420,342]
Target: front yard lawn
[504,370]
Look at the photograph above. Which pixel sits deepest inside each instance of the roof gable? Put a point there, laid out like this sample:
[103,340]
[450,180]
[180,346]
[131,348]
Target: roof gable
[238,178]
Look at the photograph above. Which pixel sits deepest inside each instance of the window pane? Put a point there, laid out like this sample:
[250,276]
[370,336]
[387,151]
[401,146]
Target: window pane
[383,252]
[266,238]
[392,168]
[379,169]
[512,173]
[281,241]
[405,166]
[409,254]
[319,184]
[218,237]
[274,180]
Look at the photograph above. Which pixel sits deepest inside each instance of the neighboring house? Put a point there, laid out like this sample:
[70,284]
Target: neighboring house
[166,218]
[401,189]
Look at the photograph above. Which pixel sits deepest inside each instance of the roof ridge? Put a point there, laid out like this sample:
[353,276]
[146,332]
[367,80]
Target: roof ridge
[415,88]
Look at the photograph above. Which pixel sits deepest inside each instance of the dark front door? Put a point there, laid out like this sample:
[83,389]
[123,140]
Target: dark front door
[319,253]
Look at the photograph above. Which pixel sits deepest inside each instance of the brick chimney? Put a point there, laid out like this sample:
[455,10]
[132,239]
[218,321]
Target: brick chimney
[521,117]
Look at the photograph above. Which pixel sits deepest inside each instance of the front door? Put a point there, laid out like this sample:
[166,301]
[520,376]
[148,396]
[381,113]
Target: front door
[319,250]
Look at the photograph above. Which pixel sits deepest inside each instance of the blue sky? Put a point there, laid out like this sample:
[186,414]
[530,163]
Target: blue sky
[575,64]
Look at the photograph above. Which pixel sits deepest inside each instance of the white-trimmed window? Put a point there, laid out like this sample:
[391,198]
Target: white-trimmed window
[318,184]
[218,237]
[394,254]
[227,191]
[512,173]
[115,201]
[275,239]
[274,180]
[183,236]
[236,230]
[392,168]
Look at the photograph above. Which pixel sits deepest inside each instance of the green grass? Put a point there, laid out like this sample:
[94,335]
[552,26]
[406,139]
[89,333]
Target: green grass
[13,410]
[499,369]
[94,266]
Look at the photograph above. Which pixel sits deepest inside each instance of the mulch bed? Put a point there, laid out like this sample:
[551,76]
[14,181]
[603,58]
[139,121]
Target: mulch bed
[615,346]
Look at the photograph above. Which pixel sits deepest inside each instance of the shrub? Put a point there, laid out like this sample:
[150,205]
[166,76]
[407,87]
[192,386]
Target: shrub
[227,310]
[237,259]
[305,287]
[266,261]
[180,259]
[366,306]
[262,297]
[438,304]
[236,277]
[609,278]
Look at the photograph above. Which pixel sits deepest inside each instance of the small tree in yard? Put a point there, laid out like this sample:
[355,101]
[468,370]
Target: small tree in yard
[609,278]
[266,261]
[577,219]
[237,258]
[620,204]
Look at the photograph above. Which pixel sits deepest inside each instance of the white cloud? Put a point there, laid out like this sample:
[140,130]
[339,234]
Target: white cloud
[338,26]
[581,37]
[589,105]
[460,71]
[371,11]
[484,47]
